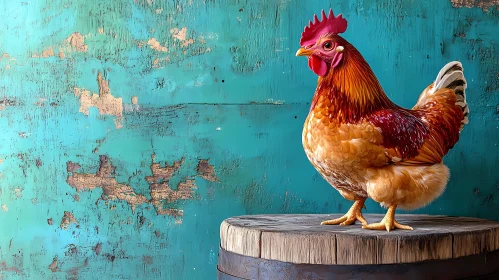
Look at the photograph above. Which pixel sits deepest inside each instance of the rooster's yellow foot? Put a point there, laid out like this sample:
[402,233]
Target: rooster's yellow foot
[388,222]
[354,214]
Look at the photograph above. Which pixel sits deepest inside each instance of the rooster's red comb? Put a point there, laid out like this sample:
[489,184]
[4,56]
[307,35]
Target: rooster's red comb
[327,25]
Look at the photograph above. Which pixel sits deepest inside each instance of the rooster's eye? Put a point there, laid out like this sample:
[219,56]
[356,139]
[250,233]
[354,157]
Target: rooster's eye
[327,46]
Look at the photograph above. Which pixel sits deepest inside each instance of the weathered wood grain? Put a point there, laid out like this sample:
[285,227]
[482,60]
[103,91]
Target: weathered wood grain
[301,239]
[428,246]
[495,235]
[355,249]
[322,248]
[224,227]
[387,249]
[243,241]
[286,247]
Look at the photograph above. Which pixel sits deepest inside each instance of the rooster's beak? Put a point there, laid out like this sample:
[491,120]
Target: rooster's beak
[303,51]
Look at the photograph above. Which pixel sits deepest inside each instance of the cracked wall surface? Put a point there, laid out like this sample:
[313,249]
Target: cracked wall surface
[160,192]
[131,129]
[485,5]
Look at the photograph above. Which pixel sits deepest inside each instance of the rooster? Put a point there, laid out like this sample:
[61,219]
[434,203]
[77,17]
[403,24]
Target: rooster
[366,146]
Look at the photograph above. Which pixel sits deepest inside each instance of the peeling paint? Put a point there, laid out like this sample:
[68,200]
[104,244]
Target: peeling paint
[485,5]
[53,265]
[72,250]
[155,45]
[4,267]
[162,195]
[73,43]
[77,41]
[71,167]
[162,173]
[7,102]
[18,192]
[49,52]
[206,170]
[7,57]
[160,189]
[105,102]
[181,35]
[104,179]
[67,219]
[98,248]
[5,208]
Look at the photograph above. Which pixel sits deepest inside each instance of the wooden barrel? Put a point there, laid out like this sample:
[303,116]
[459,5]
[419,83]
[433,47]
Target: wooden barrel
[298,247]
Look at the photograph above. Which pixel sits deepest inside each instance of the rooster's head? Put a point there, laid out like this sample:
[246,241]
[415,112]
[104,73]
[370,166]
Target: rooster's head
[322,44]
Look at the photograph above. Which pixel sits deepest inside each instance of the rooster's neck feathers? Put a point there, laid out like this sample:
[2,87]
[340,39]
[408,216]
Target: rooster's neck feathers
[352,90]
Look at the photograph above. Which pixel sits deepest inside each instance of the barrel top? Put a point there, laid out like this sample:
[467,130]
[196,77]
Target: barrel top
[301,239]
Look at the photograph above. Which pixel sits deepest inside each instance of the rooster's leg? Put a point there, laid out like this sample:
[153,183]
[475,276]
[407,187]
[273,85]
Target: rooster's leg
[388,222]
[354,214]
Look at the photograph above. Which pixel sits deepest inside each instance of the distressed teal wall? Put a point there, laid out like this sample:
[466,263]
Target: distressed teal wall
[131,129]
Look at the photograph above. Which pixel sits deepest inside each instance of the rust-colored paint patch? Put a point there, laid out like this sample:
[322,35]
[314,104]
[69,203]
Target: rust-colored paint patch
[105,102]
[162,173]
[74,43]
[4,267]
[53,265]
[182,45]
[155,45]
[72,250]
[206,170]
[162,195]
[7,102]
[71,167]
[67,219]
[135,100]
[77,41]
[104,178]
[98,248]
[161,191]
[181,35]
[485,5]
[50,221]
[49,52]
